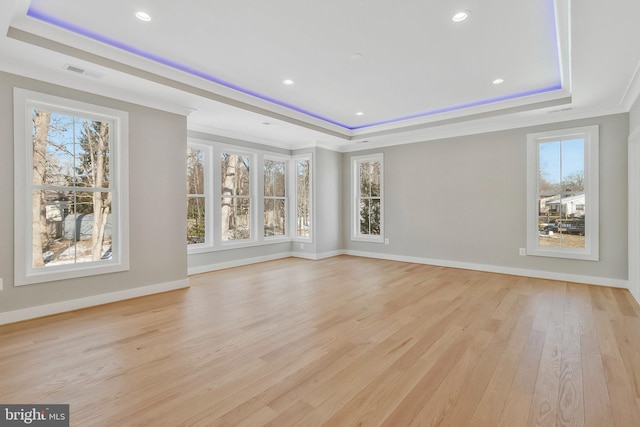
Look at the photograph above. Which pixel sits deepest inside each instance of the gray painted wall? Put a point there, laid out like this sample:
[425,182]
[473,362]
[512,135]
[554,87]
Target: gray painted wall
[214,258]
[328,201]
[156,177]
[327,207]
[634,200]
[464,199]
[634,117]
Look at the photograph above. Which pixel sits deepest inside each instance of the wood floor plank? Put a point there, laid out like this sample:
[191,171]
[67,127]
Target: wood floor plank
[544,407]
[339,342]
[597,409]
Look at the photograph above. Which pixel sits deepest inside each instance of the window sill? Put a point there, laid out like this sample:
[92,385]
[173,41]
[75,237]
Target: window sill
[376,239]
[52,274]
[240,245]
[566,254]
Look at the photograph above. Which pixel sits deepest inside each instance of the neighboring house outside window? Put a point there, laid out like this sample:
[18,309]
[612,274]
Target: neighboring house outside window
[562,214]
[71,186]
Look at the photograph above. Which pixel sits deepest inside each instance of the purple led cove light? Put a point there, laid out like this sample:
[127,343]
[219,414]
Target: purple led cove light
[460,106]
[33,13]
[164,61]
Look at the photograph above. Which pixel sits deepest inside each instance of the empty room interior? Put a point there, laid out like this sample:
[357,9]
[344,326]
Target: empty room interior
[320,213]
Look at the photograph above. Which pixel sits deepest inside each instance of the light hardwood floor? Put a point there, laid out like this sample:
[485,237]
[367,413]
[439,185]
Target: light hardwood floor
[340,342]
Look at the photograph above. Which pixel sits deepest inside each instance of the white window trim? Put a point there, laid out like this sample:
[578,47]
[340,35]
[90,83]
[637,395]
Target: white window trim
[25,274]
[255,187]
[293,176]
[590,134]
[287,198]
[213,241]
[209,234]
[355,190]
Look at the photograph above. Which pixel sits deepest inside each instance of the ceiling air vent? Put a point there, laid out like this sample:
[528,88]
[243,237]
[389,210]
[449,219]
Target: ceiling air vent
[78,70]
[75,69]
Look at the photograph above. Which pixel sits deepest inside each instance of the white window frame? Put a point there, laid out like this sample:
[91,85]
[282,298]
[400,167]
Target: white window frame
[254,188]
[294,199]
[590,134]
[209,234]
[287,201]
[25,273]
[213,238]
[355,192]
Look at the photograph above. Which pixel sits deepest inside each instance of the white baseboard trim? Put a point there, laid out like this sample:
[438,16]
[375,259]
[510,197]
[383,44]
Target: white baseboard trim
[79,303]
[237,263]
[539,274]
[316,257]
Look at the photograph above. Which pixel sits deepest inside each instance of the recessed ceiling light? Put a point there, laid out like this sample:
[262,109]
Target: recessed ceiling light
[460,16]
[143,16]
[288,82]
[355,56]
[359,113]
[498,81]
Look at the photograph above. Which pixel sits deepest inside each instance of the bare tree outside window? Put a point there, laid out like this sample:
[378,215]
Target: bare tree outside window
[303,198]
[274,198]
[196,219]
[71,198]
[236,201]
[369,197]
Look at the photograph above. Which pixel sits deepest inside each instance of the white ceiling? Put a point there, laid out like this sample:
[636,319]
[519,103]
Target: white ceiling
[412,71]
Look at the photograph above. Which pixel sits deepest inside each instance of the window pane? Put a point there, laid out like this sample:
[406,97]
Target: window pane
[69,151]
[561,221]
[364,216]
[235,174]
[548,220]
[279,179]
[370,217]
[93,225]
[195,171]
[274,178]
[374,217]
[243,175]
[236,218]
[573,165]
[268,177]
[375,179]
[365,179]
[549,167]
[195,220]
[303,214]
[280,212]
[274,217]
[92,153]
[53,151]
[269,217]
[70,227]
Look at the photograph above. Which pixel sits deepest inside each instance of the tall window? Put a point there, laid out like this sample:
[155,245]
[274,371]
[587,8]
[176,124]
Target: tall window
[240,197]
[74,218]
[563,193]
[236,197]
[303,198]
[367,206]
[196,196]
[275,201]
